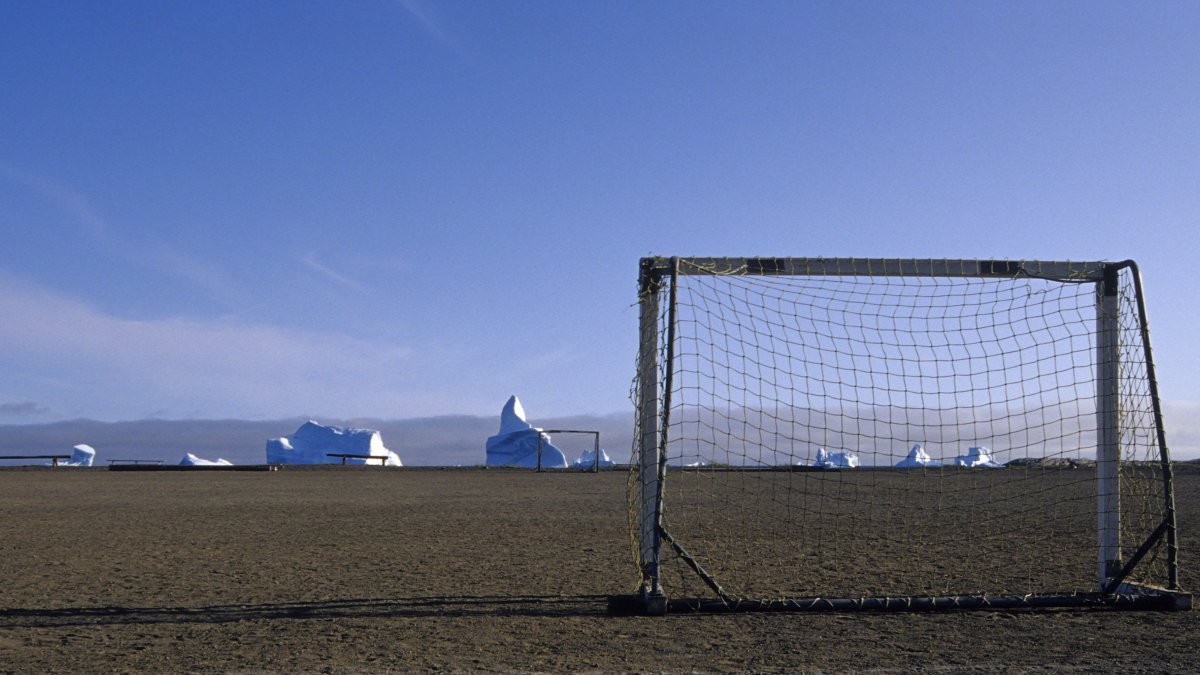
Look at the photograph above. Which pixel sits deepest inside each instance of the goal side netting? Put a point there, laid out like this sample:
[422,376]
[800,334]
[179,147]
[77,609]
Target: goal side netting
[887,434]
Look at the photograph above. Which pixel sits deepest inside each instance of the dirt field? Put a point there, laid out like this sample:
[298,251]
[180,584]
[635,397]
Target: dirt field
[373,570]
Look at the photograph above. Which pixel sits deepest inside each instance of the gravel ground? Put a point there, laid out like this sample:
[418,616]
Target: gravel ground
[381,570]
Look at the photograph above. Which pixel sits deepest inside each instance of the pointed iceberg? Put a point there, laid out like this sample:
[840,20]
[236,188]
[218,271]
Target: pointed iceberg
[517,442]
[917,458]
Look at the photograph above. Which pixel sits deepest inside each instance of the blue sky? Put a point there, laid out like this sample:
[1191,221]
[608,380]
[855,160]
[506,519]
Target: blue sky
[404,208]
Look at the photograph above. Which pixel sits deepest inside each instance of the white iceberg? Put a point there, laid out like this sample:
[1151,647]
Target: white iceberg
[977,457]
[588,460]
[517,442]
[917,458]
[192,460]
[835,460]
[81,455]
[313,443]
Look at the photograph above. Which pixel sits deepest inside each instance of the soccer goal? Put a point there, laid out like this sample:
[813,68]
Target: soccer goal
[832,433]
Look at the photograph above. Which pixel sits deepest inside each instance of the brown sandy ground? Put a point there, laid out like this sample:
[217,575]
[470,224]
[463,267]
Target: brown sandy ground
[374,570]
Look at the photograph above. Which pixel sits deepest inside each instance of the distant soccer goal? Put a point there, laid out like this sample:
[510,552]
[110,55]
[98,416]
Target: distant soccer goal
[883,434]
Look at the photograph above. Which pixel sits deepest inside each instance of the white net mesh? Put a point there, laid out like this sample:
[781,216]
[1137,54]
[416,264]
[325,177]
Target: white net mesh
[787,403]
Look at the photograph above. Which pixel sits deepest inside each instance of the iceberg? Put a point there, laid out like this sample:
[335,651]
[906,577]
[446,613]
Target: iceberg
[588,459]
[312,443]
[81,455]
[517,442]
[835,460]
[917,458]
[980,456]
[192,460]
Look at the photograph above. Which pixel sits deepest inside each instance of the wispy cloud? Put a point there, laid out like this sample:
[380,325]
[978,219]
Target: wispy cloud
[23,409]
[553,358]
[160,257]
[211,279]
[1183,429]
[65,197]
[185,364]
[310,261]
[423,12]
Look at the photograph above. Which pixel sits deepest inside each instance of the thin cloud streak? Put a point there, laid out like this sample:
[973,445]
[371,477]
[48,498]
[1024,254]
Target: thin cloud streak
[554,358]
[162,258]
[424,14]
[223,366]
[310,261]
[208,278]
[66,198]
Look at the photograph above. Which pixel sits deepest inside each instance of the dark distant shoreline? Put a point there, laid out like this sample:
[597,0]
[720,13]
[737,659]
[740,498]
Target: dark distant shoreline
[441,441]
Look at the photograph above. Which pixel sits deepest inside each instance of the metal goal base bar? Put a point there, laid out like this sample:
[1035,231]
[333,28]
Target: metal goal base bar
[1150,599]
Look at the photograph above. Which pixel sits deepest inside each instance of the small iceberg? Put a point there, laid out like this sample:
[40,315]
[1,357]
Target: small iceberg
[588,459]
[977,457]
[191,460]
[81,455]
[835,460]
[917,458]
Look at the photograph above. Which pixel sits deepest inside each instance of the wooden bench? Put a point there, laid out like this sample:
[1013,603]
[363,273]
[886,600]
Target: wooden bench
[382,458]
[134,461]
[53,458]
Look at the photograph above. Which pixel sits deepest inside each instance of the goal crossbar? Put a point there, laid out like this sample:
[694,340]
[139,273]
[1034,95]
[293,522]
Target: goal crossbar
[658,267]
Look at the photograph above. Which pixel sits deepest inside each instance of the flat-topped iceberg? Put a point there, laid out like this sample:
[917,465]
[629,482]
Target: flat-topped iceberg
[977,457]
[588,460]
[192,460]
[81,455]
[313,443]
[517,442]
[917,458]
[835,460]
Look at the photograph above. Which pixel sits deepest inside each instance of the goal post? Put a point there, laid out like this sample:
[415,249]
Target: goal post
[853,433]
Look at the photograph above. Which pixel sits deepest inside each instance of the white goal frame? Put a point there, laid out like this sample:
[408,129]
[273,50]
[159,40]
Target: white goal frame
[657,286]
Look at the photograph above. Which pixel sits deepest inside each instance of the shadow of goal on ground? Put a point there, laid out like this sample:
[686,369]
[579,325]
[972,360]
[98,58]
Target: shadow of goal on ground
[434,606]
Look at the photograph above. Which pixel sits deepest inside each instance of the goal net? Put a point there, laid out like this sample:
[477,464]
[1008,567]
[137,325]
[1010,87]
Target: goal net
[886,434]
